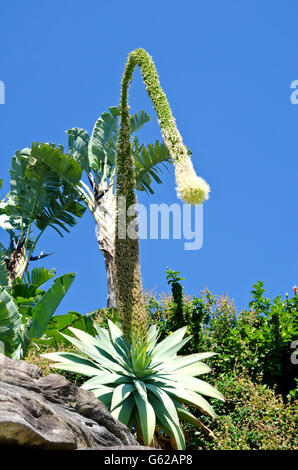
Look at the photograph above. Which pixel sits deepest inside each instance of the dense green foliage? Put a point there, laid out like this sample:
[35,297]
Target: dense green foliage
[27,313]
[253,368]
[26,310]
[258,340]
[253,418]
[42,195]
[135,369]
[254,415]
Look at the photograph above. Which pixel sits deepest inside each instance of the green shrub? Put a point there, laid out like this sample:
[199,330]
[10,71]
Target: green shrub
[253,418]
[257,340]
[34,356]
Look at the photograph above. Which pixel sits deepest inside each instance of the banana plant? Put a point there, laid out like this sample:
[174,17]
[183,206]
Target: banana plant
[42,195]
[97,156]
[26,310]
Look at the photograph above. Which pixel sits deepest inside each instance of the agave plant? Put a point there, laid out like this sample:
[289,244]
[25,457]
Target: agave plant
[144,385]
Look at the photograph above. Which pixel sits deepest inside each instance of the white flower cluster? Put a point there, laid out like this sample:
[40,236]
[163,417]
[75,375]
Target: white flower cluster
[192,189]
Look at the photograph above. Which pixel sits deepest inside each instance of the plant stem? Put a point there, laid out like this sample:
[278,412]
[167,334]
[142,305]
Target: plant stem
[191,188]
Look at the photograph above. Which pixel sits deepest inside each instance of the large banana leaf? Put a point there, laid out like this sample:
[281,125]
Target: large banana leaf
[42,189]
[16,204]
[11,326]
[78,141]
[3,272]
[61,213]
[39,276]
[25,295]
[46,307]
[102,145]
[148,163]
[103,141]
[138,120]
[59,323]
[61,164]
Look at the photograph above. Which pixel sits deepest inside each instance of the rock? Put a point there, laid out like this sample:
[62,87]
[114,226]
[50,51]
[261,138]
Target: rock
[52,413]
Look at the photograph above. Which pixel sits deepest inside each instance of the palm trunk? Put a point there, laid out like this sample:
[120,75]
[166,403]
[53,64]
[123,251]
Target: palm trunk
[105,233]
[16,266]
[110,269]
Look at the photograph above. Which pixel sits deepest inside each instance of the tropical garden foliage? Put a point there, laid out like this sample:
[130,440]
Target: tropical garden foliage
[256,413]
[252,368]
[258,340]
[42,195]
[129,351]
[131,356]
[26,310]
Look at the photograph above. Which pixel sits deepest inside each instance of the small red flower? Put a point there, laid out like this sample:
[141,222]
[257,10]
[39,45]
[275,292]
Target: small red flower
[295,289]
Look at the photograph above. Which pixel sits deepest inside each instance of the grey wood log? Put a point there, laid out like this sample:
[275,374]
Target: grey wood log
[52,413]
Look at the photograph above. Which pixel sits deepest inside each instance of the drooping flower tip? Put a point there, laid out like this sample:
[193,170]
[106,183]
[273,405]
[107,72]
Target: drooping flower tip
[194,190]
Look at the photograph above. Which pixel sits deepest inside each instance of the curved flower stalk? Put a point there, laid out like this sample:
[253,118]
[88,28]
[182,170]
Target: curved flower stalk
[190,188]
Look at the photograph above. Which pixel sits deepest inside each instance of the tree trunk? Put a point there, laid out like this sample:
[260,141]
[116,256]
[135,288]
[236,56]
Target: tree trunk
[110,269]
[16,265]
[105,234]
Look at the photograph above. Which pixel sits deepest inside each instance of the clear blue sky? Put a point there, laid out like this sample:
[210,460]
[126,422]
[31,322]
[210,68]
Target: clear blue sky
[226,67]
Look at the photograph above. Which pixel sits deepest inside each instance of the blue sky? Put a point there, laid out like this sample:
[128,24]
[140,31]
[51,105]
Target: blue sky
[226,68]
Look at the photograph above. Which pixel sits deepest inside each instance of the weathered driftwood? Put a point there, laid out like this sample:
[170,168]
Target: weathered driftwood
[52,413]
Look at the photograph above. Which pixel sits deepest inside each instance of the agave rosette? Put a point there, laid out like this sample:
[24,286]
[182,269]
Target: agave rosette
[144,385]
